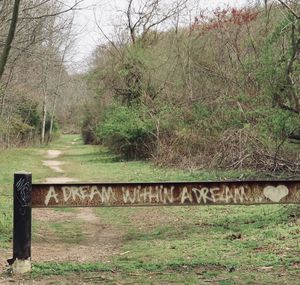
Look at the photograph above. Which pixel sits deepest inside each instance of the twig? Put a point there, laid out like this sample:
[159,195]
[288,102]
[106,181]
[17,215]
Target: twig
[71,8]
[289,8]
[147,274]
[215,280]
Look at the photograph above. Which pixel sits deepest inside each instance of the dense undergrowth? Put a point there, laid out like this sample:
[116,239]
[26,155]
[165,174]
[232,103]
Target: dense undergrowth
[21,123]
[222,93]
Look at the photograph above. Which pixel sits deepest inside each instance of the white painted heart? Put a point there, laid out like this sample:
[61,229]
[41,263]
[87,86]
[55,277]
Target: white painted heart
[275,194]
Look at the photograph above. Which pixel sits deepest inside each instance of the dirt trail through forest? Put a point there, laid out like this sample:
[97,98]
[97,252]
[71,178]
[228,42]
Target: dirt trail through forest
[99,240]
[55,165]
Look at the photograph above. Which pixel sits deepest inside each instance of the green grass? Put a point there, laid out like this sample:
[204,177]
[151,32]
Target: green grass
[243,239]
[172,273]
[19,159]
[95,163]
[68,232]
[165,245]
[14,160]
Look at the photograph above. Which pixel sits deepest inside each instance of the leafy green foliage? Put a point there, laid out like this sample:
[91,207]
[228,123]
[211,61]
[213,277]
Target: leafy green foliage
[126,132]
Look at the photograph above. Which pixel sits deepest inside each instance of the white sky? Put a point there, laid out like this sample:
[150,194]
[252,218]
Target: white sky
[107,13]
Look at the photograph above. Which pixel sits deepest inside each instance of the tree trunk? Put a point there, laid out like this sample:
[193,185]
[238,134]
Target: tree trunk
[44,118]
[52,117]
[56,93]
[10,37]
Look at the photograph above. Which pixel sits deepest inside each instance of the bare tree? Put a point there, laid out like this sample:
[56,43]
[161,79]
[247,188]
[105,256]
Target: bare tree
[55,48]
[290,8]
[142,16]
[67,38]
[31,65]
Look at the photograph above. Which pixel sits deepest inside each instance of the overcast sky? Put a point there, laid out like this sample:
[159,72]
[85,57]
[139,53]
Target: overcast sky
[107,13]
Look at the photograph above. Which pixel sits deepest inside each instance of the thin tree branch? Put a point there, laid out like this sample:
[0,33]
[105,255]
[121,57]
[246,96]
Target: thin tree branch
[105,35]
[35,6]
[289,8]
[53,14]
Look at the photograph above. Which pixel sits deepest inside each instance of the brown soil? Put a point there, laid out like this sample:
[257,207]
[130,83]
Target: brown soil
[100,242]
[54,165]
[51,153]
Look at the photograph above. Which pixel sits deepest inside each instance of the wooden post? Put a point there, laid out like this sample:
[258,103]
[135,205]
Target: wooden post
[21,261]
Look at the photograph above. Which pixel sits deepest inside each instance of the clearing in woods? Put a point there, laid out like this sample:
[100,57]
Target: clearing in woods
[153,245]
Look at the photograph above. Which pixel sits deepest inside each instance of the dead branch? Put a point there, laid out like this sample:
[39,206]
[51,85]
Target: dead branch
[72,8]
[289,8]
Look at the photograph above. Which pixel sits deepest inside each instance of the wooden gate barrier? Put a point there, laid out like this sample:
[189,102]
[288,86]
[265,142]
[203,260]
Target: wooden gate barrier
[28,196]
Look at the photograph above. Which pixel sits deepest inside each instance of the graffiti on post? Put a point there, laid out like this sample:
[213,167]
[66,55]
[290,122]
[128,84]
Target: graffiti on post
[23,193]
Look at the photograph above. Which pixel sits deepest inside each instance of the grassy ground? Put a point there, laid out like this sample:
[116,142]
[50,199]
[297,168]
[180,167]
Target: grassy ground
[14,160]
[167,245]
[94,163]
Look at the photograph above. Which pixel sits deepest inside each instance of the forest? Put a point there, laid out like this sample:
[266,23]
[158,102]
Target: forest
[214,90]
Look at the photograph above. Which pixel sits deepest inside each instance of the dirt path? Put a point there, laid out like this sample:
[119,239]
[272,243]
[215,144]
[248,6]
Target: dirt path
[53,153]
[55,165]
[99,240]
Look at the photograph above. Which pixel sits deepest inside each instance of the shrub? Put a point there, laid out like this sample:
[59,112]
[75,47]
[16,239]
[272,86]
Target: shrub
[126,132]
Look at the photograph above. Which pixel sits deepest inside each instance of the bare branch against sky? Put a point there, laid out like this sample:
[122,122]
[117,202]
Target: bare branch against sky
[109,13]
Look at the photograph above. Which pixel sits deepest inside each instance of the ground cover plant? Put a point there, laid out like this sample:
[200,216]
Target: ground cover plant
[14,160]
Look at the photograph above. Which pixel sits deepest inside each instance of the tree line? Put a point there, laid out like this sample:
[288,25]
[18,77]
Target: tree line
[219,91]
[35,36]
[215,89]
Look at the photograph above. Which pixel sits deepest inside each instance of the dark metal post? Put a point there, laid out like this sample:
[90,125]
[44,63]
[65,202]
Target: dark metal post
[22,217]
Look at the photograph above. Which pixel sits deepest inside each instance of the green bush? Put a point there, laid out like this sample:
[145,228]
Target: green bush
[126,132]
